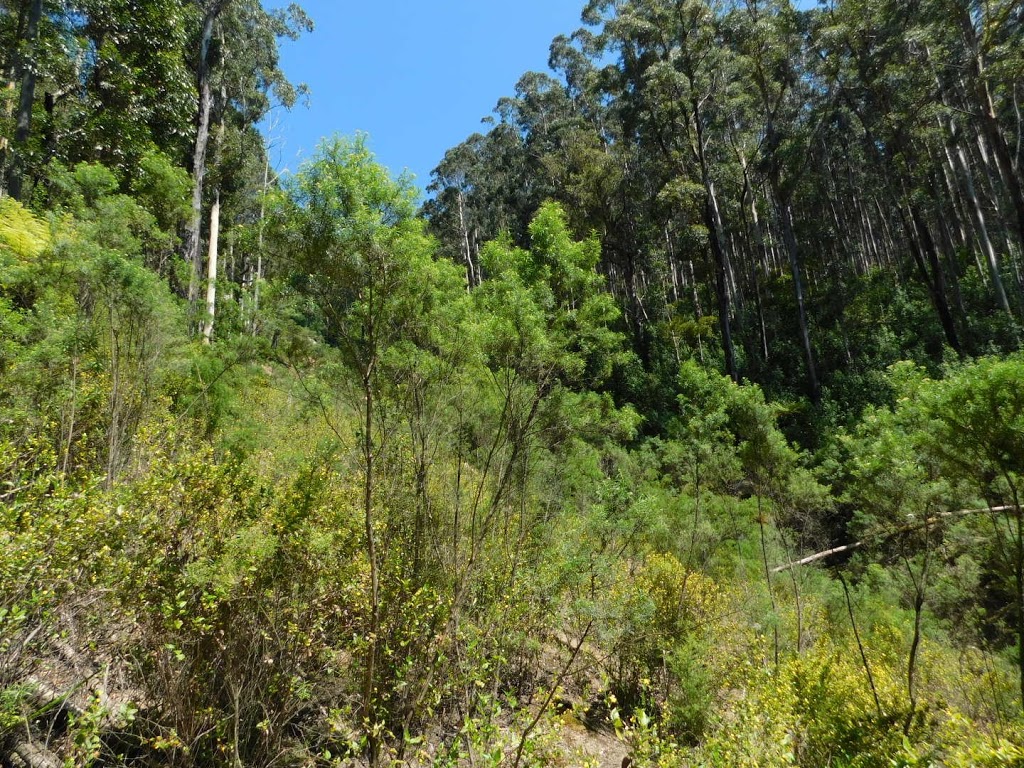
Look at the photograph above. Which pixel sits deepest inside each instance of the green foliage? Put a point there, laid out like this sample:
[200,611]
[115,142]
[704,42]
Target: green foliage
[546,309]
[409,509]
[23,235]
[163,188]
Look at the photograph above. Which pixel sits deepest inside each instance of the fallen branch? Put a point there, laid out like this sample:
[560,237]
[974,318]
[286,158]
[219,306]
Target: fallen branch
[45,698]
[817,556]
[32,756]
[888,535]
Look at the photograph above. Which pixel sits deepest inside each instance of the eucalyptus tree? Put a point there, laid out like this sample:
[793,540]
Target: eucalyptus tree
[876,57]
[136,84]
[236,71]
[674,69]
[991,36]
[495,182]
[769,39]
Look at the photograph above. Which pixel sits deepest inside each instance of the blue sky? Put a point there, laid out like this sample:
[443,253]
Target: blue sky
[416,75]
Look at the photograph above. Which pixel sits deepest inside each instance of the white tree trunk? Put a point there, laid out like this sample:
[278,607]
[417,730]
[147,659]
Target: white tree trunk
[211,272]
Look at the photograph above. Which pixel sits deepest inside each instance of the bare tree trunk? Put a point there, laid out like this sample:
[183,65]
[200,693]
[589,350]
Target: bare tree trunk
[23,129]
[860,646]
[211,272]
[192,234]
[792,252]
[369,702]
[923,247]
[768,582]
[978,214]
[712,220]
[989,121]
[467,253]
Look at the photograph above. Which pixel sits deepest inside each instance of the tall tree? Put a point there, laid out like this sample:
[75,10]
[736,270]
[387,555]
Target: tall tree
[675,66]
[770,39]
[27,65]
[237,61]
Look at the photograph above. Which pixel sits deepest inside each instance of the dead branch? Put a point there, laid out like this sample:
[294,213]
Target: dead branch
[885,535]
[32,756]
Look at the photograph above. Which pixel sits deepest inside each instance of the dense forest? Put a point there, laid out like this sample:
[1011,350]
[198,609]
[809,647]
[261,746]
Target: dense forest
[679,423]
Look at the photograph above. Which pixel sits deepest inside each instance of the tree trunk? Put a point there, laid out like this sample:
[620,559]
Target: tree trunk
[792,252]
[978,214]
[923,247]
[192,234]
[23,129]
[211,272]
[989,121]
[718,255]
[467,253]
[369,702]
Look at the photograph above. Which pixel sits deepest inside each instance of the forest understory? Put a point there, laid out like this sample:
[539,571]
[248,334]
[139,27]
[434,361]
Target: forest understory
[681,423]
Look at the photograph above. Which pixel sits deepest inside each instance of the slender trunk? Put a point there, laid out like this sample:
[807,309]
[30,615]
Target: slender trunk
[23,128]
[211,272]
[950,173]
[989,122]
[114,428]
[920,585]
[755,267]
[978,214]
[71,419]
[711,221]
[369,713]
[524,736]
[259,250]
[768,582]
[860,647]
[948,176]
[467,253]
[1018,572]
[923,247]
[192,234]
[949,247]
[792,252]
[673,264]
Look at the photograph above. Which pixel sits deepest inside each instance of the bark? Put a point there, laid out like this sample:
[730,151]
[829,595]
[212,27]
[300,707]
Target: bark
[211,272]
[713,223]
[369,697]
[192,234]
[949,174]
[252,320]
[920,584]
[759,257]
[34,756]
[890,534]
[981,227]
[860,647]
[923,247]
[1018,573]
[793,254]
[23,128]
[989,122]
[467,253]
[768,583]
[719,257]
